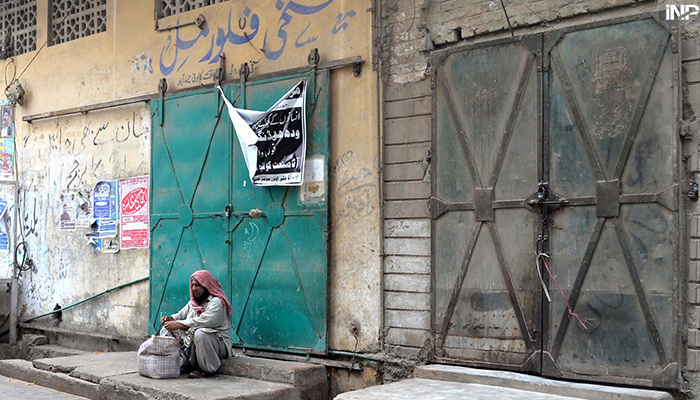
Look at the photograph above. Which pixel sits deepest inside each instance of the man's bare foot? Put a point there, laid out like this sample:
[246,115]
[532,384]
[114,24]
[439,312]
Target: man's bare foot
[196,374]
[186,370]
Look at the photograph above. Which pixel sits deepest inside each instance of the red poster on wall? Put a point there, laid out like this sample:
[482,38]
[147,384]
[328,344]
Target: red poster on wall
[133,203]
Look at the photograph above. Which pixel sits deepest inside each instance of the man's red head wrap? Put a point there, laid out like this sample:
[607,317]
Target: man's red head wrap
[207,280]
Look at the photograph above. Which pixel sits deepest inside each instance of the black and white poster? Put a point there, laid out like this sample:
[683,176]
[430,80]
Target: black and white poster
[274,141]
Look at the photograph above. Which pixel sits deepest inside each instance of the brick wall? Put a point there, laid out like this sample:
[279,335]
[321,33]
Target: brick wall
[690,51]
[452,20]
[407,226]
[413,28]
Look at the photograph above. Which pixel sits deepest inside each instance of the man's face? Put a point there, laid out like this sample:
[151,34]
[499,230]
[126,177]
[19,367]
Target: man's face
[199,292]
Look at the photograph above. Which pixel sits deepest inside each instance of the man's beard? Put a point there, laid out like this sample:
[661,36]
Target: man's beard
[201,298]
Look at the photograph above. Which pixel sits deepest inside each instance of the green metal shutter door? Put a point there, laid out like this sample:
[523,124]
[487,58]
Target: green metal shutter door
[189,193]
[280,259]
[274,267]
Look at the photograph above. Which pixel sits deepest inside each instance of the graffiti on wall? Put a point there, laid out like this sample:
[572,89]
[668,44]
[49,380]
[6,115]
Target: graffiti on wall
[356,186]
[244,29]
[70,155]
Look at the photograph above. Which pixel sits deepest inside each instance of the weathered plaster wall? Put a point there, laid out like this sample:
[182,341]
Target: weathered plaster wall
[73,153]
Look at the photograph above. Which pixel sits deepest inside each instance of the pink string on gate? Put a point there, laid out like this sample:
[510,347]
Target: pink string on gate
[545,260]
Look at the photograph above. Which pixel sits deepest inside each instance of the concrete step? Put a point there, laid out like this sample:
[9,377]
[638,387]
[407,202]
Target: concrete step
[23,370]
[310,380]
[218,387]
[52,351]
[115,377]
[31,340]
[136,387]
[92,367]
[429,389]
[534,384]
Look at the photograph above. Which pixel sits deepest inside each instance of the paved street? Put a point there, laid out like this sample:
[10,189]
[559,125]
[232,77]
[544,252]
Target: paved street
[14,389]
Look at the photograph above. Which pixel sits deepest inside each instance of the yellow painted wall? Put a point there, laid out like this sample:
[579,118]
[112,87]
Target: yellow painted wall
[72,153]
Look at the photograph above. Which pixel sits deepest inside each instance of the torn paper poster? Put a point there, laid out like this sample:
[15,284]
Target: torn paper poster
[103,236]
[133,203]
[3,207]
[6,123]
[83,210]
[7,158]
[67,211]
[242,120]
[104,200]
[104,245]
[314,187]
[4,238]
[107,229]
[276,150]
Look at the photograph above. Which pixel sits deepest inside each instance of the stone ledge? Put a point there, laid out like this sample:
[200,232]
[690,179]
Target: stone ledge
[219,387]
[297,374]
[23,370]
[534,384]
[51,351]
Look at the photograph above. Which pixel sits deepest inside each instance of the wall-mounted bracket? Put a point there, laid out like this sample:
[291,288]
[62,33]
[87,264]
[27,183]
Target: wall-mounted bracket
[162,88]
[243,73]
[357,70]
[220,74]
[200,22]
[313,59]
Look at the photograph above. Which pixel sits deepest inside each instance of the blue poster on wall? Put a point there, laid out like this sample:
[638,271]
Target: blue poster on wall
[105,200]
[4,240]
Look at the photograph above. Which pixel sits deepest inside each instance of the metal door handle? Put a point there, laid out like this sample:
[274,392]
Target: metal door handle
[255,213]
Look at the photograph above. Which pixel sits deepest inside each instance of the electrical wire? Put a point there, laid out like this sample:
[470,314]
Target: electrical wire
[36,54]
[510,28]
[14,74]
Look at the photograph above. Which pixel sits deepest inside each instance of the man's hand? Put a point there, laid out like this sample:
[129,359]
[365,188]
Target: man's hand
[174,325]
[165,318]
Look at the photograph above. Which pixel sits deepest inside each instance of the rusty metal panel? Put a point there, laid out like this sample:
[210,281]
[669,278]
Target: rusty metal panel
[587,139]
[486,305]
[608,198]
[614,247]
[484,204]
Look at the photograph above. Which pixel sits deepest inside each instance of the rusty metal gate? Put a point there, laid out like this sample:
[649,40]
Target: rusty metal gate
[563,147]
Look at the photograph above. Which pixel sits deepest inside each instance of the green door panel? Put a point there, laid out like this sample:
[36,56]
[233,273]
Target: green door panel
[189,228]
[273,267]
[280,259]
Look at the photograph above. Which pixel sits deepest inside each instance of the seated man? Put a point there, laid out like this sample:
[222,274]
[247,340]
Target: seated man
[206,322]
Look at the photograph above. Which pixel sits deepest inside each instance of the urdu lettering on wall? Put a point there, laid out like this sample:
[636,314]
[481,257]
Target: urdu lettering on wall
[248,27]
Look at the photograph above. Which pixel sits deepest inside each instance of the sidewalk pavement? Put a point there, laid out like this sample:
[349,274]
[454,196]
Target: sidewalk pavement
[14,389]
